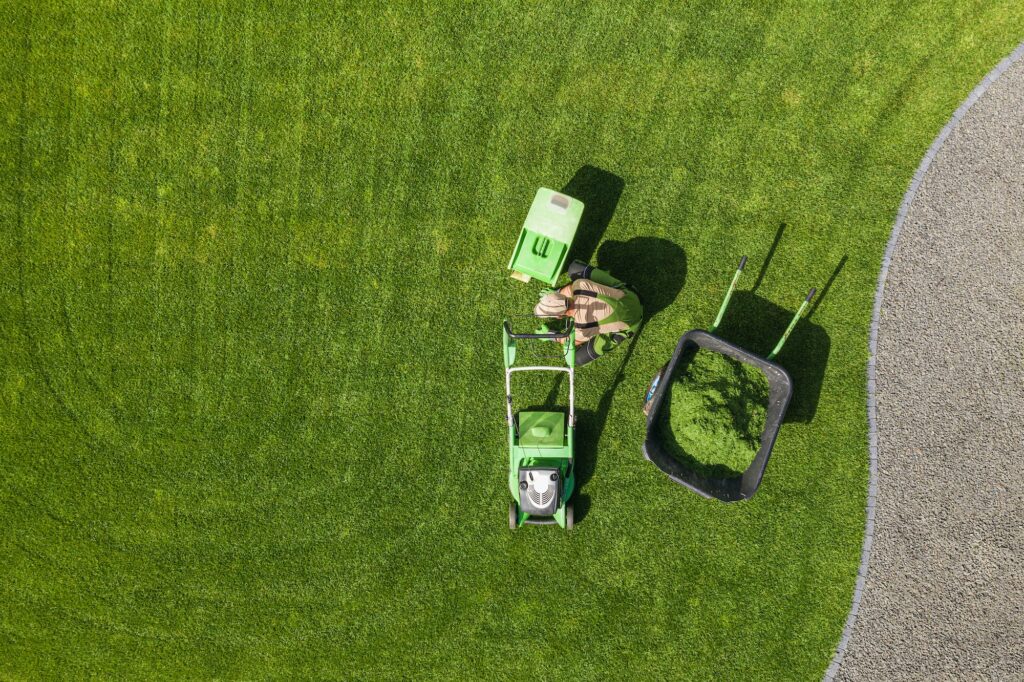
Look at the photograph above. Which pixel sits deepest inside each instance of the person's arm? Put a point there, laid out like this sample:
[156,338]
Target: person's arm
[578,270]
[604,277]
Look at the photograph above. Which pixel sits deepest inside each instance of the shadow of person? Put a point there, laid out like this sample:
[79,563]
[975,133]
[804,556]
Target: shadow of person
[599,190]
[656,269]
[755,323]
[653,267]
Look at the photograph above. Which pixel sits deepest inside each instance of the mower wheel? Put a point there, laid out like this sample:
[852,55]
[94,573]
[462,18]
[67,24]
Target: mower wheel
[568,516]
[513,516]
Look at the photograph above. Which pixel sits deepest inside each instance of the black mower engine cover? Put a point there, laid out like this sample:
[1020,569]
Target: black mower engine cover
[539,490]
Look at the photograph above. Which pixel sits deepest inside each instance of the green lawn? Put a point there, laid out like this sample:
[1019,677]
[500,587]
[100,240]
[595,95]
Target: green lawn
[252,272]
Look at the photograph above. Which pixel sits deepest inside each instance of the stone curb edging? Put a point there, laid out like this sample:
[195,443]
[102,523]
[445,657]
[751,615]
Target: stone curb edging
[908,198]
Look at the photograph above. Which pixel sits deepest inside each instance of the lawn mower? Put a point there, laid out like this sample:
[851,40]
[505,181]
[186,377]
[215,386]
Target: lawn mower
[546,237]
[780,390]
[540,468]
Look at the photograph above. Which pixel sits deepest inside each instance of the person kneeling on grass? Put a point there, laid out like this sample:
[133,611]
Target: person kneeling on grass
[606,311]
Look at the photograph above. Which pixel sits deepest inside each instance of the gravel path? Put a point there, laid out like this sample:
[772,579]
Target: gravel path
[944,593]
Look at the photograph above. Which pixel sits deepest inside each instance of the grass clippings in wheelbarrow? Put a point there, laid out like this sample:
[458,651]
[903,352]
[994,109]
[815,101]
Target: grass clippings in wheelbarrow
[716,413]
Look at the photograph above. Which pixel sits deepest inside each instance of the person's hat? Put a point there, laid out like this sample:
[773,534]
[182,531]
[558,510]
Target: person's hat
[552,305]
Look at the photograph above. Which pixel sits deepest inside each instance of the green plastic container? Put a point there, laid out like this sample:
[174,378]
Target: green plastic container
[546,237]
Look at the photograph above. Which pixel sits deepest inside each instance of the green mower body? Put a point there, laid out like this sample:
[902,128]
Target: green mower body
[540,471]
[546,236]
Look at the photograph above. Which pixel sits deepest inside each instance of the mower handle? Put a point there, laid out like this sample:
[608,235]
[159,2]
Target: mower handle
[553,335]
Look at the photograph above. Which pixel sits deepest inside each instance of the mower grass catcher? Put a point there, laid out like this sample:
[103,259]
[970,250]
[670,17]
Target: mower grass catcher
[546,237]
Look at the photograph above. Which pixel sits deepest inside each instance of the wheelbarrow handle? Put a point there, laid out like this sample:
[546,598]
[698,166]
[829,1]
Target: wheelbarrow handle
[728,296]
[792,324]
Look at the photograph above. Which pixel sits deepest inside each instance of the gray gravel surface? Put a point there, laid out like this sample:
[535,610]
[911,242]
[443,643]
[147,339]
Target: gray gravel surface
[944,595]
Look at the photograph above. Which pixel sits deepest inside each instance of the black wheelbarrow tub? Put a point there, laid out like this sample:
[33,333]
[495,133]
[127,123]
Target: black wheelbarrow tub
[729,489]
